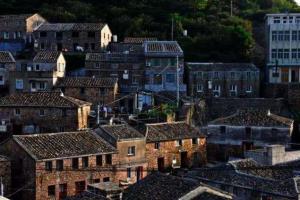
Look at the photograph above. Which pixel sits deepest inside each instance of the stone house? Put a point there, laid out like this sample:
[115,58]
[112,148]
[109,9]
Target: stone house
[161,59]
[174,144]
[72,37]
[130,144]
[223,80]
[7,64]
[245,130]
[16,30]
[248,180]
[99,91]
[5,175]
[40,75]
[41,112]
[56,165]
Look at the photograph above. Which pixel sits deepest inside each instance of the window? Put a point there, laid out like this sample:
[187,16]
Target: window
[51,190]
[280,53]
[63,190]
[294,35]
[233,88]
[106,179]
[280,35]
[248,75]
[216,75]
[97,180]
[195,141]
[216,87]
[17,112]
[43,34]
[135,79]
[48,166]
[223,129]
[99,160]
[156,145]
[19,84]
[274,35]
[42,112]
[75,163]
[131,151]
[199,87]
[59,165]
[6,35]
[286,35]
[286,54]
[75,34]
[128,172]
[108,159]
[232,75]
[37,67]
[157,79]
[249,88]
[79,187]
[43,85]
[170,78]
[85,162]
[178,143]
[82,90]
[294,53]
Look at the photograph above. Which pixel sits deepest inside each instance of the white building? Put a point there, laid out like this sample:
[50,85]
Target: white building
[283,41]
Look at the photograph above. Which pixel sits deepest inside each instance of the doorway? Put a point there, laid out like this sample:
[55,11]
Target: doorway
[161,164]
[184,159]
[139,173]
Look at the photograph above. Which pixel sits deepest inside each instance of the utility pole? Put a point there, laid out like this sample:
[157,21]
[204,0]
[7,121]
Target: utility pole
[177,79]
[172,29]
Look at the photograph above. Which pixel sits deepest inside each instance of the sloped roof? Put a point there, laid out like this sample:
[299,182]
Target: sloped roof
[15,17]
[41,99]
[122,131]
[162,48]
[86,82]
[170,131]
[253,117]
[221,66]
[71,27]
[46,56]
[63,145]
[138,40]
[6,57]
[113,57]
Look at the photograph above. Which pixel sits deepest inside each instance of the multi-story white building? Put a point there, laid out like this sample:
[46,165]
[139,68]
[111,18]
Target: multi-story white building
[283,42]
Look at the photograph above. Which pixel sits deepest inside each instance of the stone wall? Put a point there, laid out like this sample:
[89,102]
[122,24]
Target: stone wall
[168,150]
[5,174]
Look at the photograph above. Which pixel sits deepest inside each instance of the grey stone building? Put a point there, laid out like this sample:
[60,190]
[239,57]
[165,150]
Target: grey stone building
[244,130]
[223,80]
[72,37]
[7,64]
[39,74]
[16,30]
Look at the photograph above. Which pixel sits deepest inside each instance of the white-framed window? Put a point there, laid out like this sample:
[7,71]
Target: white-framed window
[178,143]
[199,87]
[19,84]
[6,35]
[233,88]
[195,141]
[43,85]
[33,85]
[17,112]
[216,88]
[249,88]
[274,53]
[131,151]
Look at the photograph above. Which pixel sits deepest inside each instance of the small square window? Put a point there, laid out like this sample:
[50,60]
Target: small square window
[42,112]
[195,140]
[75,163]
[108,159]
[178,143]
[156,145]
[48,166]
[59,165]
[131,151]
[106,179]
[85,162]
[97,180]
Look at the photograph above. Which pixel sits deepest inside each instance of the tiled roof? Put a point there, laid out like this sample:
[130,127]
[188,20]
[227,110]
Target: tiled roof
[86,82]
[46,57]
[209,196]
[15,17]
[86,196]
[113,57]
[221,66]
[40,99]
[6,57]
[3,158]
[158,186]
[63,145]
[162,48]
[250,175]
[71,27]
[170,131]
[122,131]
[138,40]
[253,117]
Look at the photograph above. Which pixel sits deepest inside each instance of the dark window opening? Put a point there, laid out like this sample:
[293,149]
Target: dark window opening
[48,166]
[75,163]
[99,160]
[51,190]
[85,162]
[108,159]
[59,165]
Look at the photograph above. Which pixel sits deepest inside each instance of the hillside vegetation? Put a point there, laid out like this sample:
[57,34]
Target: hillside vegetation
[213,34]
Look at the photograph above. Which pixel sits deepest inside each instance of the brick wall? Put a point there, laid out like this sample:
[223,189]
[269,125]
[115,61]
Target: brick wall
[5,174]
[168,151]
